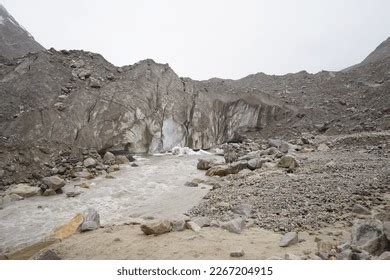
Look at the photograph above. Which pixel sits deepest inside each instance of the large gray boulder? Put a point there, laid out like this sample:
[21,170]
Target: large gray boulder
[91,220]
[234,226]
[255,163]
[89,162]
[288,162]
[54,183]
[109,158]
[369,236]
[243,209]
[289,239]
[204,164]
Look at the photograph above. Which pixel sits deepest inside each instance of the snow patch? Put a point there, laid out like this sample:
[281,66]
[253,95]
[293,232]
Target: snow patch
[1,20]
[180,151]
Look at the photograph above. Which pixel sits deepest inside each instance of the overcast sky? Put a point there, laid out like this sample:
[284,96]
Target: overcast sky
[202,39]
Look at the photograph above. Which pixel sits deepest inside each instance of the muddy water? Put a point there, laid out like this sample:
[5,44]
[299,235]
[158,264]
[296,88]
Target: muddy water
[155,188]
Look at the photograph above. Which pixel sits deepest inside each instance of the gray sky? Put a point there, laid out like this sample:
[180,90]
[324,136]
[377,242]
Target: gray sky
[213,38]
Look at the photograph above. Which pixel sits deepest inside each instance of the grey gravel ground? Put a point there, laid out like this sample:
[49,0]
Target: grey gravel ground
[321,192]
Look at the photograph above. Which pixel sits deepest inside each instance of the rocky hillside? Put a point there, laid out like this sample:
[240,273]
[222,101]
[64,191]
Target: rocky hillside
[15,41]
[381,53]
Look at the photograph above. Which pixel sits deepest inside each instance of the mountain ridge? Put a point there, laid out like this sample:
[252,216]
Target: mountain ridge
[15,40]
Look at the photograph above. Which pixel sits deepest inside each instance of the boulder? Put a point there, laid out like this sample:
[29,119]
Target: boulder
[369,236]
[191,184]
[24,190]
[307,138]
[84,73]
[290,256]
[91,220]
[94,83]
[113,168]
[85,185]
[224,170]
[270,151]
[49,192]
[109,158]
[236,167]
[274,143]
[121,160]
[83,174]
[384,256]
[157,227]
[219,152]
[219,170]
[60,106]
[230,155]
[234,226]
[288,239]
[237,253]
[204,164]
[15,197]
[69,228]
[269,165]
[178,224]
[386,229]
[289,162]
[72,193]
[193,226]
[284,148]
[243,209]
[54,183]
[251,155]
[202,221]
[361,210]
[89,162]
[255,163]
[323,147]
[2,173]
[46,255]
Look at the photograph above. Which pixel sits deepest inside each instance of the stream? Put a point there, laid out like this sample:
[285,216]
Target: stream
[154,189]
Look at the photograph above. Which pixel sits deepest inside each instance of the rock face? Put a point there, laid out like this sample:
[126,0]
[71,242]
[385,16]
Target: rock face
[15,41]
[147,108]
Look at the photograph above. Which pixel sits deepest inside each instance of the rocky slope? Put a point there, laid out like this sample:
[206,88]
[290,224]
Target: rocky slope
[15,41]
[380,53]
